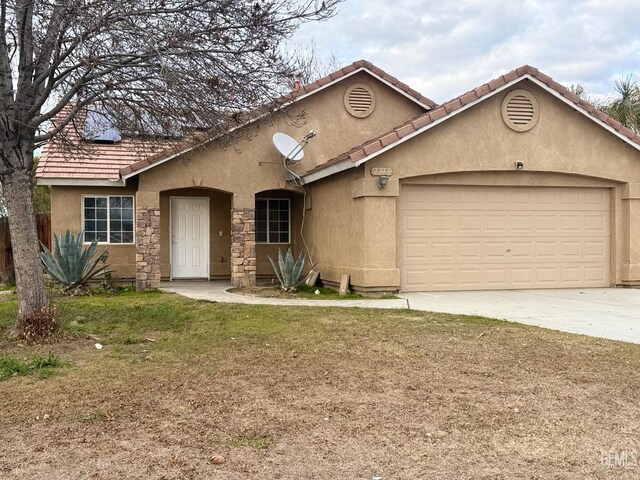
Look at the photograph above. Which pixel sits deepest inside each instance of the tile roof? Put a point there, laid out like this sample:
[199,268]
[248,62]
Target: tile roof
[290,97]
[74,158]
[374,145]
[355,66]
[113,161]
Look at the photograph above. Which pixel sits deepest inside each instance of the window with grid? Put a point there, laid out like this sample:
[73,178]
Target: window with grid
[108,219]
[272,220]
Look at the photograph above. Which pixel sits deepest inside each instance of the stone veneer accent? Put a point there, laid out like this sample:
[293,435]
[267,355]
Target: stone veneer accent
[147,248]
[243,247]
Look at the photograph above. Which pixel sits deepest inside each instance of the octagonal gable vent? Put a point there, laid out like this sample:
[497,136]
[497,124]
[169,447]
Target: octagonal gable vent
[520,110]
[359,100]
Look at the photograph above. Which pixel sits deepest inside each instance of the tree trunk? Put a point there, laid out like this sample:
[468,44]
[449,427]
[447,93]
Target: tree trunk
[34,316]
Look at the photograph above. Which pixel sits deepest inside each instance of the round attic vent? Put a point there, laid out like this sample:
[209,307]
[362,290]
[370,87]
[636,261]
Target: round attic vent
[520,110]
[359,100]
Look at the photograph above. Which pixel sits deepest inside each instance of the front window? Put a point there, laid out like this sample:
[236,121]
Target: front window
[272,220]
[108,219]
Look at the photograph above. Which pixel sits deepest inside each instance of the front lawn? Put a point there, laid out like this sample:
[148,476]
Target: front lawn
[185,389]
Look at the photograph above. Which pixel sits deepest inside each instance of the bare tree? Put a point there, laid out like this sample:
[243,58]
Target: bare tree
[153,65]
[312,66]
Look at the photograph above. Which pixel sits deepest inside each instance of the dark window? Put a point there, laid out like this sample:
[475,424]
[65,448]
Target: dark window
[108,219]
[272,220]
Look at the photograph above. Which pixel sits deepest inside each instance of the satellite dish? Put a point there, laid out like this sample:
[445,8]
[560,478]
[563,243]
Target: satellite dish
[288,147]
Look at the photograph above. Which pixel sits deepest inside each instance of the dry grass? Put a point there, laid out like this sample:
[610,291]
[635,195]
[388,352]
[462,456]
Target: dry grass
[308,393]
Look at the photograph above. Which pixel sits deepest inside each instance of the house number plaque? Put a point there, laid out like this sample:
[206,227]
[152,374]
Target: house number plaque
[378,172]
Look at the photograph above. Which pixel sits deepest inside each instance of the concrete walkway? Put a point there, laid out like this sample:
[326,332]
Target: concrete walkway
[217,292]
[612,313]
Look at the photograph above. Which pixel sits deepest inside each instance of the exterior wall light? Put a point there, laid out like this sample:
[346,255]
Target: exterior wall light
[382,181]
[519,165]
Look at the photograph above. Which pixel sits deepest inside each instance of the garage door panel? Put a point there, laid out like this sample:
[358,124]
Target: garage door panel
[595,274]
[597,223]
[551,238]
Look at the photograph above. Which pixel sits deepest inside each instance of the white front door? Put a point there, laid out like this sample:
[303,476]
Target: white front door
[189,237]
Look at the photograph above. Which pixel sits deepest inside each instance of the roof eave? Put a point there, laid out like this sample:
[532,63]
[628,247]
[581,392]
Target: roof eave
[297,98]
[81,182]
[318,175]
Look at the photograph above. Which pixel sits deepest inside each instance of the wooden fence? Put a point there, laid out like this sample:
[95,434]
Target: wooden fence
[43,221]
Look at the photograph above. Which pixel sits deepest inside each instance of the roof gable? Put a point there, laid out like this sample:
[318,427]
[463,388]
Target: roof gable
[287,100]
[422,123]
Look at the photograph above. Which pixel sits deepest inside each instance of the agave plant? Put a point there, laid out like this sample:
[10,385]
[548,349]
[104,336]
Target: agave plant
[71,264]
[288,271]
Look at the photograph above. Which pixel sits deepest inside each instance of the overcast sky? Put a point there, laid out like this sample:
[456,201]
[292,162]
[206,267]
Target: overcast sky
[443,48]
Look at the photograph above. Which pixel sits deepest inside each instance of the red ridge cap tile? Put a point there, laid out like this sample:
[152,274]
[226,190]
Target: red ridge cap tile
[442,111]
[389,138]
[348,69]
[372,147]
[544,78]
[510,76]
[437,114]
[496,83]
[391,79]
[324,80]
[482,90]
[468,97]
[421,121]
[405,130]
[453,105]
[523,70]
[357,155]
[377,71]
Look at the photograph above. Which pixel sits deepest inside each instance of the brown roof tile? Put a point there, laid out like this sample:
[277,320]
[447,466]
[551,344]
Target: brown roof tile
[130,156]
[389,138]
[357,155]
[405,130]
[496,83]
[100,161]
[468,97]
[372,147]
[447,108]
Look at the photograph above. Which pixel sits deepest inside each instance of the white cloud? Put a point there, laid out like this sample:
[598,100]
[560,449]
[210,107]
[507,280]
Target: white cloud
[443,49]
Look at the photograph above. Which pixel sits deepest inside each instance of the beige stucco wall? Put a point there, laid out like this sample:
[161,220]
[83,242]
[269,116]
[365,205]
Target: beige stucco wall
[475,147]
[234,170]
[66,213]
[351,225]
[247,162]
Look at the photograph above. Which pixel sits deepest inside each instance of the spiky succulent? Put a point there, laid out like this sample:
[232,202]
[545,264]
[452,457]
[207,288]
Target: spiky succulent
[288,271]
[71,263]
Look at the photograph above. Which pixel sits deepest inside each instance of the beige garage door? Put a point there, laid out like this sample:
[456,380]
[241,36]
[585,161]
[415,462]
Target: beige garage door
[483,238]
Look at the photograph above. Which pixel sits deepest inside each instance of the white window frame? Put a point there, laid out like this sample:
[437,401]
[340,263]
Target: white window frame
[267,242]
[108,242]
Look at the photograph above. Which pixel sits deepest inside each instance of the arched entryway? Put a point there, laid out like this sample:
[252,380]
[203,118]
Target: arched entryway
[195,240]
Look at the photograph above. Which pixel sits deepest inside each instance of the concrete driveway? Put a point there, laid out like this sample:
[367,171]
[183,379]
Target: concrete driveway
[612,313]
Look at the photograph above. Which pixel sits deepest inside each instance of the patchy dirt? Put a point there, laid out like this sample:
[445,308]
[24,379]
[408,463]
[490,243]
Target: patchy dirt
[264,291]
[333,395]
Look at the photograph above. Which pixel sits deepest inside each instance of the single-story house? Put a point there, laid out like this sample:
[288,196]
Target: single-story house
[515,184]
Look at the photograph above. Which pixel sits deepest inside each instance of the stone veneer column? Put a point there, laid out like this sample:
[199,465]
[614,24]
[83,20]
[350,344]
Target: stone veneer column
[243,247]
[147,248]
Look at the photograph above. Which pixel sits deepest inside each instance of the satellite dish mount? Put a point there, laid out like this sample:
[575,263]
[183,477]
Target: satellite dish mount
[292,152]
